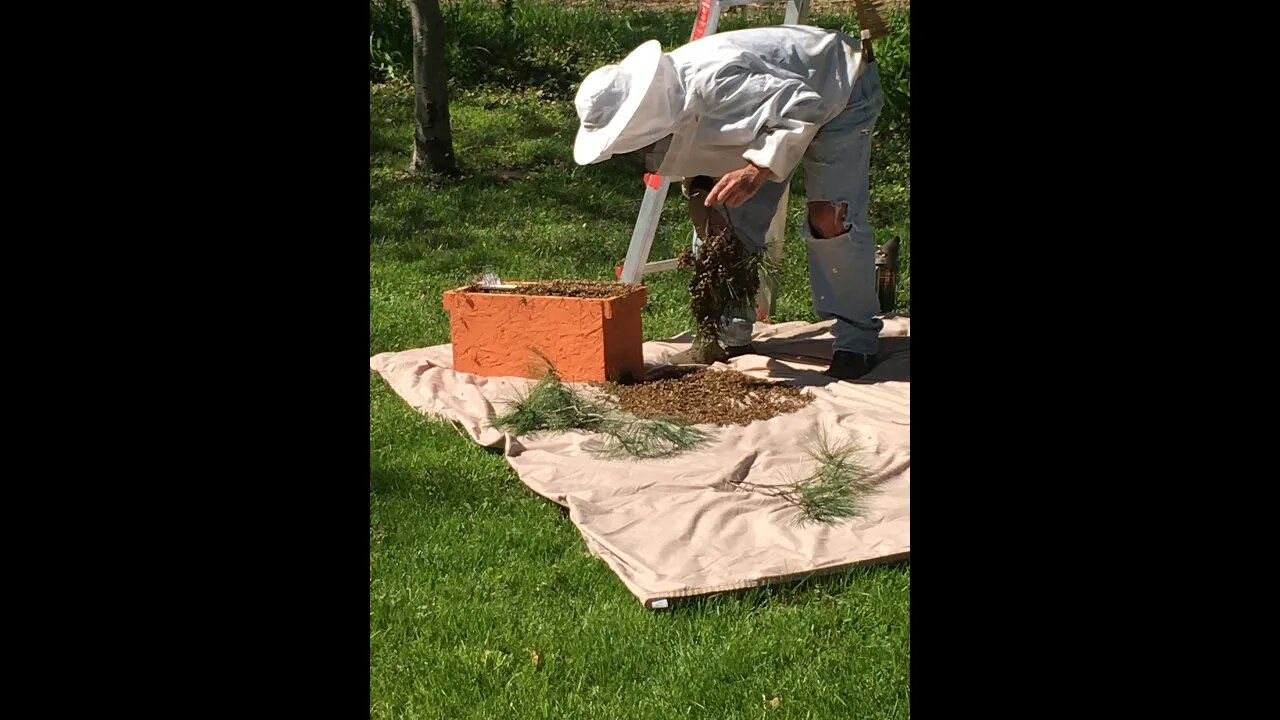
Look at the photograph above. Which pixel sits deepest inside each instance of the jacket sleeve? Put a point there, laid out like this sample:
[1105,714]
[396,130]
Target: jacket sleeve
[782,114]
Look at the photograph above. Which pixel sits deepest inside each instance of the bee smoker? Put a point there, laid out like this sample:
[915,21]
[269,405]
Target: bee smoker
[887,275]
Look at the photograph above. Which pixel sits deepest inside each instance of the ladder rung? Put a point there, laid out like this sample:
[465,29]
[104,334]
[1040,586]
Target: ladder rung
[661,265]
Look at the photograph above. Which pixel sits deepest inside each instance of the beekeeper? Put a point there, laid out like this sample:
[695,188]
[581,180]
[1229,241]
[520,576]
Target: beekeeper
[745,107]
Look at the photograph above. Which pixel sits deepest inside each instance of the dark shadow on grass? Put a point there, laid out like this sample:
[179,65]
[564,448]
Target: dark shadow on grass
[385,142]
[608,193]
[789,591]
[624,191]
[533,125]
[439,247]
[527,51]
[474,198]
[437,488]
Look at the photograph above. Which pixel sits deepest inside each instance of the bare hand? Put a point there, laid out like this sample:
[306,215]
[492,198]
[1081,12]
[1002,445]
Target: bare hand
[738,186]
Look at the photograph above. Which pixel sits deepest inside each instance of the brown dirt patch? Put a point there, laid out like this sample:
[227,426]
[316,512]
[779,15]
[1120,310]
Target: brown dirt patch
[706,396]
[562,288]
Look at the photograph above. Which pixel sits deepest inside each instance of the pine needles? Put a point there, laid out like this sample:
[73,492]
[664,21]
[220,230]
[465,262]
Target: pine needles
[550,405]
[647,439]
[836,489]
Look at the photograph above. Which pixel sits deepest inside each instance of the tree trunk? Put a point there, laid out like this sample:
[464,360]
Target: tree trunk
[433,136]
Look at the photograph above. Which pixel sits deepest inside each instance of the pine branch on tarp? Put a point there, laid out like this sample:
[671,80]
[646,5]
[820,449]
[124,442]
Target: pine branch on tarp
[835,489]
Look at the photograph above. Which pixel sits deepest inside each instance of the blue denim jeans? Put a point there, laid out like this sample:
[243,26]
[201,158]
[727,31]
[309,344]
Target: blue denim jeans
[842,269]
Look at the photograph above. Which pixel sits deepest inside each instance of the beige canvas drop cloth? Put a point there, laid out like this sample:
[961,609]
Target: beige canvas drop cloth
[680,527]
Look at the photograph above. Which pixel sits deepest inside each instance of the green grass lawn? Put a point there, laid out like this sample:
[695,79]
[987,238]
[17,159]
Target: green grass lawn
[483,600]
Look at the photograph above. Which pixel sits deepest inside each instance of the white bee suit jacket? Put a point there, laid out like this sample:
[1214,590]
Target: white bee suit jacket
[757,95]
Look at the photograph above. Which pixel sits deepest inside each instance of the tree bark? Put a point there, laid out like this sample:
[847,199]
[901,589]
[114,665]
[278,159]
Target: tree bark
[433,135]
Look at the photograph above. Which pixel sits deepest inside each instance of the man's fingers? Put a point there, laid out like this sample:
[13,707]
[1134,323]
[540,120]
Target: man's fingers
[716,193]
[732,190]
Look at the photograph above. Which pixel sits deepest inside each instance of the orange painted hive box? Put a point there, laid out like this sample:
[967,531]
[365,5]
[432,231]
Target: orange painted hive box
[590,331]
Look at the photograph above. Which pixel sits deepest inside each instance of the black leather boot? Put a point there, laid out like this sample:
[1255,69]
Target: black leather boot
[850,365]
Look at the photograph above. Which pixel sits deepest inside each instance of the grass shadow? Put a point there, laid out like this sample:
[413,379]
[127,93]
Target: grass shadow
[789,591]
[441,486]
